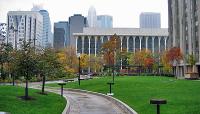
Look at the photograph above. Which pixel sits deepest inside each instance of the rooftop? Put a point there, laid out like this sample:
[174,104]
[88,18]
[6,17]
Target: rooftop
[124,31]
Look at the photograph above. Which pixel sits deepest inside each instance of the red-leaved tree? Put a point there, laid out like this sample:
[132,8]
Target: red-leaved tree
[174,56]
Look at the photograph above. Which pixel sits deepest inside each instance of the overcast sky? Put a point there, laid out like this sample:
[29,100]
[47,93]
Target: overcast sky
[125,12]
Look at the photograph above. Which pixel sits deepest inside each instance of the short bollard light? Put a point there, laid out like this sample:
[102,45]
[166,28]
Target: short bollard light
[110,83]
[158,102]
[61,85]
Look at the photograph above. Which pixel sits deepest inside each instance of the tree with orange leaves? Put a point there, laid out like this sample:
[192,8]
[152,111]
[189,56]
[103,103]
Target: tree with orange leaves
[68,58]
[174,56]
[148,62]
[109,48]
[167,67]
[142,58]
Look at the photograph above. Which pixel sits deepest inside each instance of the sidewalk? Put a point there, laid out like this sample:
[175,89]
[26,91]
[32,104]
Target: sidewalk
[84,103]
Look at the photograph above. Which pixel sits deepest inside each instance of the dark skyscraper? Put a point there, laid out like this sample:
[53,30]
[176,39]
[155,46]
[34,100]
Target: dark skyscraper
[76,25]
[61,34]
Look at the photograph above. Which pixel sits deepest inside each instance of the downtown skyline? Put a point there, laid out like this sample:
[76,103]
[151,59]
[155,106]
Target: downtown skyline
[62,10]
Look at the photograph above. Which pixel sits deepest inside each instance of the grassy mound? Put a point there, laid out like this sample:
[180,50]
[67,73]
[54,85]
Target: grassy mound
[41,104]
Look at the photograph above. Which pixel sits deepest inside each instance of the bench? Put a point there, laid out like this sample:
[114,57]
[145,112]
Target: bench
[69,80]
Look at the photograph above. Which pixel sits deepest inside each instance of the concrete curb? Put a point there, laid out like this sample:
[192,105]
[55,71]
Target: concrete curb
[67,107]
[122,105]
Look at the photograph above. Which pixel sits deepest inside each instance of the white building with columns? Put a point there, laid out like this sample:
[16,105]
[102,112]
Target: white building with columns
[132,39]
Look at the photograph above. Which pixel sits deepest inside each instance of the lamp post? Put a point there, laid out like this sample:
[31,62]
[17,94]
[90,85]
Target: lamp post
[79,68]
[113,67]
[15,30]
[114,59]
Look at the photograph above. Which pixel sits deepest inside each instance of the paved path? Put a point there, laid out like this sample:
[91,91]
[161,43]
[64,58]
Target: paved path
[84,103]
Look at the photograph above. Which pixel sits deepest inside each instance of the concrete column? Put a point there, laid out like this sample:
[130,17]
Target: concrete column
[127,40]
[89,37]
[146,40]
[76,44]
[83,44]
[140,42]
[153,44]
[159,38]
[121,37]
[165,43]
[101,39]
[134,44]
[95,46]
[121,42]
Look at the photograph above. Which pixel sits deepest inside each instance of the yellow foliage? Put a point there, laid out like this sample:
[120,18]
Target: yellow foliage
[67,57]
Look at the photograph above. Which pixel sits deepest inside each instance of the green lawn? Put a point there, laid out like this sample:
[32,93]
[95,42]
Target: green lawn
[183,96]
[42,104]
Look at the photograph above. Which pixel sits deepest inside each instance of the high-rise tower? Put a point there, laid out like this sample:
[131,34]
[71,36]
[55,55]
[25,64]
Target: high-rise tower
[92,17]
[150,20]
[24,26]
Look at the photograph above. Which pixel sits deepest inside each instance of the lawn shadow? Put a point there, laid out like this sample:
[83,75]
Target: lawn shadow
[26,99]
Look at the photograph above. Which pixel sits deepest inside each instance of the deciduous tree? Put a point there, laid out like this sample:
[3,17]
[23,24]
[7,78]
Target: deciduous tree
[109,49]
[174,55]
[26,62]
[68,59]
[47,64]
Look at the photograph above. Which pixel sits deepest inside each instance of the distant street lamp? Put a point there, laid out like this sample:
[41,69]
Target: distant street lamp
[114,60]
[15,30]
[79,68]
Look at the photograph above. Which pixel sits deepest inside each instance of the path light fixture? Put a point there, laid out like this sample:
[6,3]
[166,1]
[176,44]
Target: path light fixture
[110,83]
[61,88]
[158,102]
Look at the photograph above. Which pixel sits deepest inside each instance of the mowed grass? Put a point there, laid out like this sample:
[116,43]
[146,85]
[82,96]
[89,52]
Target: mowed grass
[183,96]
[42,104]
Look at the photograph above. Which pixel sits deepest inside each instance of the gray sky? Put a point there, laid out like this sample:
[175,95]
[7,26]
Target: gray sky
[125,12]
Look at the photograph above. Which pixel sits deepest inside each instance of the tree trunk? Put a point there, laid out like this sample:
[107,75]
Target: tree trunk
[1,70]
[43,82]
[176,72]
[13,79]
[193,68]
[113,74]
[26,90]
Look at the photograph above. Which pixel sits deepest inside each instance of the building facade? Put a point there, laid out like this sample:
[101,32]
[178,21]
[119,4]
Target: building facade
[132,39]
[76,25]
[3,32]
[24,26]
[150,20]
[47,38]
[92,17]
[61,34]
[105,21]
[184,31]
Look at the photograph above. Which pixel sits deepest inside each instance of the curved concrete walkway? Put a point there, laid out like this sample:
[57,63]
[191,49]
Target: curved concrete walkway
[84,103]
